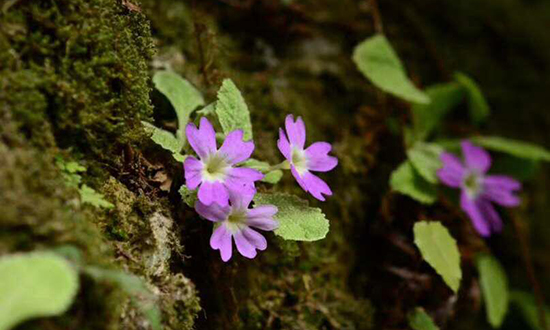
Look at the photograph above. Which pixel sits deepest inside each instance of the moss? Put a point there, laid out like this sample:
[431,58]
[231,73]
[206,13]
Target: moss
[39,212]
[180,302]
[80,64]
[148,241]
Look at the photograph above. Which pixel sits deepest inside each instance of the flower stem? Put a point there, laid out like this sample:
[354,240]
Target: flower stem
[285,165]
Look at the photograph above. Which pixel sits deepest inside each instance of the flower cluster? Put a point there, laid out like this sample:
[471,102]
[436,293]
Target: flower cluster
[478,189]
[225,189]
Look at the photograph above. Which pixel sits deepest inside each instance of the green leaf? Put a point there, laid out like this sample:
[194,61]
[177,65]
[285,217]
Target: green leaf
[135,287]
[494,287]
[270,176]
[520,168]
[439,249]
[232,111]
[479,109]
[427,117]
[297,221]
[513,147]
[420,320]
[189,197]
[35,285]
[92,197]
[69,252]
[377,60]
[163,138]
[208,110]
[528,306]
[183,96]
[450,145]
[406,180]
[273,177]
[74,167]
[70,172]
[179,157]
[257,165]
[425,159]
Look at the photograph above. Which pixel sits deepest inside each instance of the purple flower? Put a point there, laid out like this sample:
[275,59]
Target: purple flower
[478,188]
[235,221]
[214,171]
[314,158]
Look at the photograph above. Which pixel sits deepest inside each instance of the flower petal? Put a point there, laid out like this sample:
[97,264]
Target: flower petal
[234,149]
[298,177]
[221,240]
[242,198]
[192,169]
[240,179]
[243,245]
[481,224]
[283,144]
[212,212]
[452,172]
[318,158]
[203,139]
[213,192]
[255,238]
[500,189]
[315,186]
[476,157]
[261,217]
[490,214]
[296,131]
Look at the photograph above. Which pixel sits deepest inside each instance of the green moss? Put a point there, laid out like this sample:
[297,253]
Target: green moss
[39,212]
[81,64]
[148,239]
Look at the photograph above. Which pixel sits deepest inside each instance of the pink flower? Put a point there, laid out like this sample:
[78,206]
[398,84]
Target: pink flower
[302,162]
[214,173]
[478,189]
[235,222]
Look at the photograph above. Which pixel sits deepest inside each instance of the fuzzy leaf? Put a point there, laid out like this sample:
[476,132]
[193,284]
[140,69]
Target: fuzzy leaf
[479,109]
[494,287]
[297,221]
[183,96]
[427,117]
[208,110]
[528,306]
[257,165]
[189,197]
[425,159]
[232,111]
[406,180]
[439,249]
[135,287]
[179,157]
[35,285]
[513,147]
[377,60]
[164,138]
[420,320]
[273,177]
[92,197]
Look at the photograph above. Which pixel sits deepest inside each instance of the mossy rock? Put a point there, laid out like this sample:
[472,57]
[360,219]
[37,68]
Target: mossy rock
[82,66]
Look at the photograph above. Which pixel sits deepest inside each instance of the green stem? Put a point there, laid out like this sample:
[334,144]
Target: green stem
[285,165]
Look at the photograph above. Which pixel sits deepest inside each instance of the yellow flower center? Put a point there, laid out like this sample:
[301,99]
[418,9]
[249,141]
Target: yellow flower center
[299,160]
[215,168]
